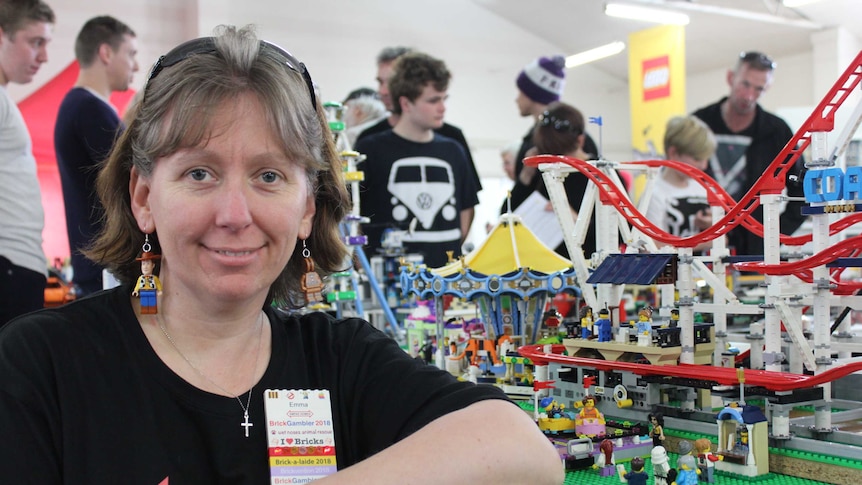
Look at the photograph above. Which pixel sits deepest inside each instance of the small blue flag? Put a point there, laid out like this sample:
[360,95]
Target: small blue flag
[596,120]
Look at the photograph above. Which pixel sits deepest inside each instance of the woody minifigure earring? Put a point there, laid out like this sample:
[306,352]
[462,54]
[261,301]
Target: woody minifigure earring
[148,286]
[311,284]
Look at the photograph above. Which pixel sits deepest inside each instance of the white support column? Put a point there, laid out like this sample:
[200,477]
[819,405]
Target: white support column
[720,298]
[772,323]
[573,230]
[685,285]
[755,336]
[822,324]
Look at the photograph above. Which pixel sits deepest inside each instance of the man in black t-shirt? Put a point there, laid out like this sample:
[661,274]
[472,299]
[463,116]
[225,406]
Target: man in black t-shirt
[385,60]
[749,138]
[414,174]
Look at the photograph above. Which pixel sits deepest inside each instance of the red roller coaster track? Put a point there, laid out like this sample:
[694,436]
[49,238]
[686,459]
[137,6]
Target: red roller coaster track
[725,376]
[772,181]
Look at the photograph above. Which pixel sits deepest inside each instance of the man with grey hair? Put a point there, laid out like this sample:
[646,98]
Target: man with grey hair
[26,28]
[362,109]
[749,138]
[385,60]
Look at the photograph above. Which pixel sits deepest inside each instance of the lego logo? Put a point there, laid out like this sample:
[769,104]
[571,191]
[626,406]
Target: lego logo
[656,78]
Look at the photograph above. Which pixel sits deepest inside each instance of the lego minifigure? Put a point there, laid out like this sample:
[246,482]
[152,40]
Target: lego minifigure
[637,476]
[148,286]
[674,318]
[589,413]
[603,325]
[605,457]
[687,474]
[656,431]
[684,447]
[644,324]
[586,322]
[706,459]
[741,445]
[661,467]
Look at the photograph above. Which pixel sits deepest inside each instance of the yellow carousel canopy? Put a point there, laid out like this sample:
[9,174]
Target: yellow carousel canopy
[510,246]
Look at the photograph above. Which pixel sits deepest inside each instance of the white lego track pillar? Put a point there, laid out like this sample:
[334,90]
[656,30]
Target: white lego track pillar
[823,413]
[755,334]
[574,230]
[540,374]
[771,255]
[607,243]
[719,270]
[685,285]
[780,422]
[820,285]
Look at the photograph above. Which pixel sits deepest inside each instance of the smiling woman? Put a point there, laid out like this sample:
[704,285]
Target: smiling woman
[228,179]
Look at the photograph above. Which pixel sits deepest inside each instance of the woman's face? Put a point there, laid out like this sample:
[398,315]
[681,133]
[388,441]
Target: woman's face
[227,212]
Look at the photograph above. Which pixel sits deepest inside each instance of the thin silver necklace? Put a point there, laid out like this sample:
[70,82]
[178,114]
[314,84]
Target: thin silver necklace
[246,423]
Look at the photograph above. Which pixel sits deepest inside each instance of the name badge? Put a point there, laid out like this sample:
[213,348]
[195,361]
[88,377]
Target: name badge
[300,434]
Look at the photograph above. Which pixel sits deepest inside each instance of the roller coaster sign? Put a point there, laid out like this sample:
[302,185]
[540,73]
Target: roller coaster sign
[833,184]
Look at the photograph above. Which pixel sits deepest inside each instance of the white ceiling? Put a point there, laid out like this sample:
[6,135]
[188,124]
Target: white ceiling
[711,38]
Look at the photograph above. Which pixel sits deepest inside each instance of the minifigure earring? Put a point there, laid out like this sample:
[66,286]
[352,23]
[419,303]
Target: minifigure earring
[148,286]
[311,284]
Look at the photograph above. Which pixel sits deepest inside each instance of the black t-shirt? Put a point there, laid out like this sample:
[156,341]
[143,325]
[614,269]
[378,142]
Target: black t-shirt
[447,130]
[84,399]
[406,180]
[741,159]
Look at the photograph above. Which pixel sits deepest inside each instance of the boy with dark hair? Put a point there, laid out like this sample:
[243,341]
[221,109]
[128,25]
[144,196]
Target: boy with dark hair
[84,133]
[413,173]
[25,30]
[385,64]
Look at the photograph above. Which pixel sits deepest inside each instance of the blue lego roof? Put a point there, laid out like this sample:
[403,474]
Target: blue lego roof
[745,414]
[636,269]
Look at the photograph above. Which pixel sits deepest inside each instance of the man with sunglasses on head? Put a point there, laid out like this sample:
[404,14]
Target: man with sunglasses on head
[25,29]
[749,138]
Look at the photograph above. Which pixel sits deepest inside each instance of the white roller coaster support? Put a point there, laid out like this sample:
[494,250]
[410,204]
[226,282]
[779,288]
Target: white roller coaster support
[717,280]
[574,231]
[685,285]
[822,356]
[792,318]
[772,323]
[607,235]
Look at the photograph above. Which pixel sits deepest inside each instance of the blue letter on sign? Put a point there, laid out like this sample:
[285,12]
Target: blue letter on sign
[853,183]
[832,184]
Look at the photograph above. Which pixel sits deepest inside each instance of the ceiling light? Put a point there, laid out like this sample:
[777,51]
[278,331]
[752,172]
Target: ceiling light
[645,14]
[797,3]
[591,55]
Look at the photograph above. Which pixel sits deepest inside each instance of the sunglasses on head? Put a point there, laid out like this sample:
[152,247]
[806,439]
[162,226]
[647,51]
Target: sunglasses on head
[206,45]
[758,59]
[547,119]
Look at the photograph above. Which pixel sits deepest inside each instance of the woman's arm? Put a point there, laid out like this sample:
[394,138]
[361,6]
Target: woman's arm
[491,441]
